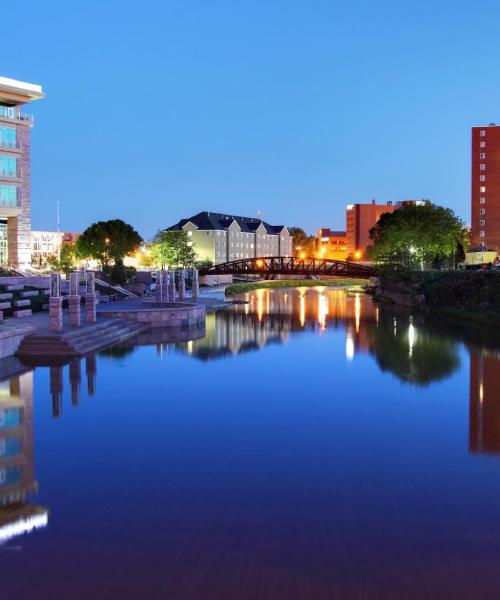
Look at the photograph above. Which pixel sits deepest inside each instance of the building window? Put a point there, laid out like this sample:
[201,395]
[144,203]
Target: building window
[482,133]
[482,144]
[482,234]
[8,137]
[482,211]
[8,166]
[482,155]
[482,200]
[482,189]
[482,178]
[190,233]
[482,222]
[8,195]
[482,167]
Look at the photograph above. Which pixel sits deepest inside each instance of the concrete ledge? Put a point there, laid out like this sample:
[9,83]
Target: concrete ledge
[22,303]
[4,305]
[19,314]
[11,336]
[30,293]
[178,314]
[6,296]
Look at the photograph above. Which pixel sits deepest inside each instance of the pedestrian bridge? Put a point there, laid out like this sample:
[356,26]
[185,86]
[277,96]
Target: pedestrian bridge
[269,266]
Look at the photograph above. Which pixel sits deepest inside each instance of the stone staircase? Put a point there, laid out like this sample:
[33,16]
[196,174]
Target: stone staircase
[72,343]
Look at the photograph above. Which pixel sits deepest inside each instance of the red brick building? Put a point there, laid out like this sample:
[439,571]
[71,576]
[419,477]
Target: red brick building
[486,187]
[331,244]
[360,218]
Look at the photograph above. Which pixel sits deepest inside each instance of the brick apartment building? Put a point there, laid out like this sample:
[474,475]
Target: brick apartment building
[15,200]
[485,210]
[360,218]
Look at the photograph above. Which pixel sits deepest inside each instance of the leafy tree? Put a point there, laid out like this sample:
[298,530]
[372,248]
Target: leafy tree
[172,248]
[66,261]
[302,243]
[416,235]
[108,242]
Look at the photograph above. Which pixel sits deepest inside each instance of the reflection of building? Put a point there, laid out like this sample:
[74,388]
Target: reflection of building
[47,244]
[484,421]
[15,201]
[331,244]
[220,238]
[17,477]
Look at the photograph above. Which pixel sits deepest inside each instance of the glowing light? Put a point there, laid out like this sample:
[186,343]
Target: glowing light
[481,392]
[349,345]
[302,314]
[259,263]
[412,336]
[322,311]
[358,254]
[357,311]
[350,206]
[260,304]
[302,255]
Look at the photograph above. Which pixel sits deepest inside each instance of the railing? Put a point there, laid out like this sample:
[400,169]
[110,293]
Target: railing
[10,112]
[9,144]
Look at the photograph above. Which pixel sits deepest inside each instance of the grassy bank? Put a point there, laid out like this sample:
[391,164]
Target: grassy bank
[241,288]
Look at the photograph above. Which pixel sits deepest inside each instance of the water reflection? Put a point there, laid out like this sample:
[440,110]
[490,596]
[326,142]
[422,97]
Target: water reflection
[484,417]
[17,472]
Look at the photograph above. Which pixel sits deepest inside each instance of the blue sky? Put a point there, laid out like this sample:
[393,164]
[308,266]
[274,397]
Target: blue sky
[160,109]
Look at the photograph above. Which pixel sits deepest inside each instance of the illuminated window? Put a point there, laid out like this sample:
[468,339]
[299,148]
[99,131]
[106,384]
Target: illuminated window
[482,211]
[482,189]
[482,178]
[190,233]
[482,133]
[482,167]
[482,234]
[482,200]
[482,144]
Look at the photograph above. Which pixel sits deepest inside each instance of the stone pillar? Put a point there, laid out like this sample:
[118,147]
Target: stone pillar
[195,285]
[56,389]
[91,368]
[90,298]
[75,378]
[171,286]
[182,287]
[55,303]
[165,286]
[159,286]
[74,300]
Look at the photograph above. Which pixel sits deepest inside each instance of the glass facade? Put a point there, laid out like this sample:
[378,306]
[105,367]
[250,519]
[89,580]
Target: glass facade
[8,136]
[8,166]
[8,195]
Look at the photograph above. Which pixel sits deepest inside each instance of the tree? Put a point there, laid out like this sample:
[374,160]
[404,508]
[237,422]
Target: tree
[303,244]
[66,261]
[172,248]
[416,235]
[108,242]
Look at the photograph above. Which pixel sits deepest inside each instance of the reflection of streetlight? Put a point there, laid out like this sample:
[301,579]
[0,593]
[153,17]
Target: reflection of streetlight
[358,254]
[302,255]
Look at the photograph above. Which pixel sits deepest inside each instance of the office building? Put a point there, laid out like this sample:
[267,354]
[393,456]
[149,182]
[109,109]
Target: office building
[15,197]
[331,244]
[221,238]
[485,210]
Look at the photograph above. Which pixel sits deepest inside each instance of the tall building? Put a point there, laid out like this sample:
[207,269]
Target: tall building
[486,187]
[47,244]
[360,218]
[220,238]
[15,201]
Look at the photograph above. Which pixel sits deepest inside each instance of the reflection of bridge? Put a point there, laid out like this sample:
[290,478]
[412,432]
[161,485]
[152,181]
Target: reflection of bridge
[287,265]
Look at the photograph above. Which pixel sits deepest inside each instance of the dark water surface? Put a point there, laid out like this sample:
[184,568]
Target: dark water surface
[310,446]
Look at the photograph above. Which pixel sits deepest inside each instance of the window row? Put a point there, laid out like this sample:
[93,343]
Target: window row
[8,136]
[8,166]
[8,195]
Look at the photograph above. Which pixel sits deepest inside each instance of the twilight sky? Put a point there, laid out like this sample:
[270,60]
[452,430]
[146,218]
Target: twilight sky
[159,109]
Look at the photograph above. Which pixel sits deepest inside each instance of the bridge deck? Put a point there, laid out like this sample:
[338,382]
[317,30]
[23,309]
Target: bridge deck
[284,265]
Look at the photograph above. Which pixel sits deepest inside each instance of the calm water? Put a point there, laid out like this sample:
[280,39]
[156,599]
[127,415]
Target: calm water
[308,446]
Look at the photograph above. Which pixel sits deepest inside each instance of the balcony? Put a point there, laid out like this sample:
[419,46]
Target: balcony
[11,112]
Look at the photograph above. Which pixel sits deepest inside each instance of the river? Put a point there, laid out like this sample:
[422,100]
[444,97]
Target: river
[307,445]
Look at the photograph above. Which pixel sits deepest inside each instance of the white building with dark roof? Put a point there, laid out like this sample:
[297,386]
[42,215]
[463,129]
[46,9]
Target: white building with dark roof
[221,238]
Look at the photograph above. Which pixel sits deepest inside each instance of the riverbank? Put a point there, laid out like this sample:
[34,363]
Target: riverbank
[241,288]
[471,295]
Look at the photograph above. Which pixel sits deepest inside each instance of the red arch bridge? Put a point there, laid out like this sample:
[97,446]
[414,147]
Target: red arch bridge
[269,266]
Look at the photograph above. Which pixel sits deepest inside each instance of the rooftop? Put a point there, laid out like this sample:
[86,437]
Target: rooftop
[220,221]
[19,92]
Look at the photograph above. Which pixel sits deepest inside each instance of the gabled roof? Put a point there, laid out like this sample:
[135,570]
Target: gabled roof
[209,221]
